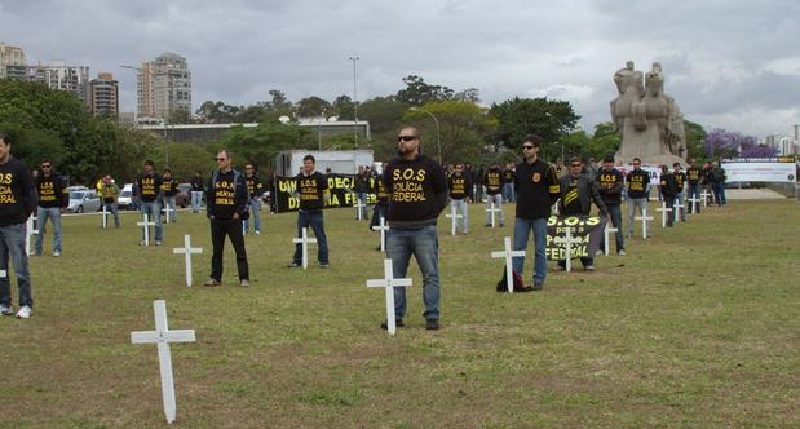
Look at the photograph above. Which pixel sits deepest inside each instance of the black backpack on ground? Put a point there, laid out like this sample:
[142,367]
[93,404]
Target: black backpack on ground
[519,285]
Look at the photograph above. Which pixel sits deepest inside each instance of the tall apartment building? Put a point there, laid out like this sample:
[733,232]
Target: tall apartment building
[74,79]
[12,62]
[164,85]
[104,96]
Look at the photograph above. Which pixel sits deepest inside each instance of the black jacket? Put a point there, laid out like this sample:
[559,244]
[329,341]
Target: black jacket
[587,192]
[18,196]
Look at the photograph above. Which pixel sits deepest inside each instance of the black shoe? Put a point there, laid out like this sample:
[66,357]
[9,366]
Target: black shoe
[537,286]
[398,323]
[431,324]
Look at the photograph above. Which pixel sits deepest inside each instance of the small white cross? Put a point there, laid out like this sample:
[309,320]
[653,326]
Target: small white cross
[509,254]
[163,336]
[382,227]
[695,204]
[704,196]
[359,205]
[568,241]
[146,225]
[492,210]
[453,219]
[609,229]
[304,241]
[167,211]
[644,218]
[187,249]
[664,210]
[678,206]
[105,213]
[30,232]
[388,282]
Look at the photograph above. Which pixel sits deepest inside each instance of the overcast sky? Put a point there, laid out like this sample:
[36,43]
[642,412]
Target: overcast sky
[731,64]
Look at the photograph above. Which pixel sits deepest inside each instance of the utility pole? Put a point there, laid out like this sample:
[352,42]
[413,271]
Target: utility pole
[355,105]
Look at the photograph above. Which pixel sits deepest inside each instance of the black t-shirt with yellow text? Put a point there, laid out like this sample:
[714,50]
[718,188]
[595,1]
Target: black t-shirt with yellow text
[149,187]
[311,188]
[51,191]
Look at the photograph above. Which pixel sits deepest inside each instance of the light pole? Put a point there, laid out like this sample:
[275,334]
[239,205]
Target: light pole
[319,130]
[355,105]
[166,111]
[435,121]
[560,133]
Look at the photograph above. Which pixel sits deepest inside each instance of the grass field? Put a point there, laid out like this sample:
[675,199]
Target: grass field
[696,328]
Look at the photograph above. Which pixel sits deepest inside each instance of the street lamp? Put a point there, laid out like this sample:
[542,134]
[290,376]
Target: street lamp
[435,121]
[355,105]
[166,113]
[319,129]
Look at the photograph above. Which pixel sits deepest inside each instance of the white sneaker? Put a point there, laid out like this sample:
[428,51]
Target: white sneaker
[24,312]
[621,252]
[6,310]
[56,254]
[258,232]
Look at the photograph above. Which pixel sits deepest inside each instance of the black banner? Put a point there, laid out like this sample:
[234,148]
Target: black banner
[340,193]
[586,233]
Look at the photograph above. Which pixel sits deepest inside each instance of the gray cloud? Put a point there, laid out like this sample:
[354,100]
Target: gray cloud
[713,52]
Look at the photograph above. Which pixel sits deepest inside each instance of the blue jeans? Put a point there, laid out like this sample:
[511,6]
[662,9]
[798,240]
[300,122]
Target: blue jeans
[255,209]
[171,203]
[508,192]
[424,245]
[313,220]
[719,193]
[112,208]
[42,214]
[153,212]
[694,193]
[197,200]
[633,204]
[616,220]
[522,229]
[12,243]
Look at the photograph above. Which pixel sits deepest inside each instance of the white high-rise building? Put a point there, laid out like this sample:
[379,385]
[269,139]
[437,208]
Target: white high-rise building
[57,75]
[12,62]
[164,85]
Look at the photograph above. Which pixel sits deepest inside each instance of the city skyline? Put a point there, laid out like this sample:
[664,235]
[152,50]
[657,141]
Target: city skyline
[728,64]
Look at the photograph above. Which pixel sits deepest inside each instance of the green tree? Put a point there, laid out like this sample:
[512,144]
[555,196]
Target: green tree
[343,107]
[606,139]
[313,107]
[549,119]
[695,138]
[417,92]
[260,145]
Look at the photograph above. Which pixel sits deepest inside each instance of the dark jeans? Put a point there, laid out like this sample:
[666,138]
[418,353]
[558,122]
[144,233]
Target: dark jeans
[719,193]
[424,245]
[616,219]
[670,200]
[694,193]
[313,220]
[233,228]
[12,243]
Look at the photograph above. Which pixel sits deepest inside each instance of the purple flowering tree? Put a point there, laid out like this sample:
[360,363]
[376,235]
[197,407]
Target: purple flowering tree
[720,143]
[759,152]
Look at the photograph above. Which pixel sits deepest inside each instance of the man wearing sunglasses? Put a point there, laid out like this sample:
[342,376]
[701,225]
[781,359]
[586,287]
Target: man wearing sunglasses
[418,188]
[577,194]
[52,202]
[537,189]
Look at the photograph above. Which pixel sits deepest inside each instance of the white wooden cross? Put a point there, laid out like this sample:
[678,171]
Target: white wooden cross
[388,282]
[29,232]
[146,225]
[704,196]
[187,249]
[359,205]
[168,211]
[568,241]
[509,254]
[609,229]
[664,210]
[644,218]
[163,336]
[382,227]
[492,210]
[695,204]
[453,219]
[677,207]
[105,214]
[304,241]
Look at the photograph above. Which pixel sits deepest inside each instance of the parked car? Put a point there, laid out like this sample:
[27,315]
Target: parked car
[125,200]
[83,201]
[184,197]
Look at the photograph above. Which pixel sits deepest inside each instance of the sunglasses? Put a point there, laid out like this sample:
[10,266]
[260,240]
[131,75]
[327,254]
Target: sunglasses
[577,165]
[46,166]
[527,147]
[221,159]
[406,138]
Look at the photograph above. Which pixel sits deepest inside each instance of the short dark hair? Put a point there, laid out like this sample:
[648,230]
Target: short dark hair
[677,164]
[533,139]
[149,162]
[637,159]
[310,158]
[45,161]
[575,160]
[168,170]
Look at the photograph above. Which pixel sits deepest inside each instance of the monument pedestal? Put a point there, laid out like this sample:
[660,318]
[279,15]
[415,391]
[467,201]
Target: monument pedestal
[651,160]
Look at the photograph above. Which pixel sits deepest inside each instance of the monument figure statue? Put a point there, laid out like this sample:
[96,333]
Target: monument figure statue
[649,121]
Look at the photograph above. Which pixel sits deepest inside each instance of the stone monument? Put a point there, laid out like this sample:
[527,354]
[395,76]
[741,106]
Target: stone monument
[649,122]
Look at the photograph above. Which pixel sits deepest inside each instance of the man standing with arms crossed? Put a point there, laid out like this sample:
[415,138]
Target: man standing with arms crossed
[637,180]
[538,188]
[609,185]
[418,188]
[17,202]
[149,195]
